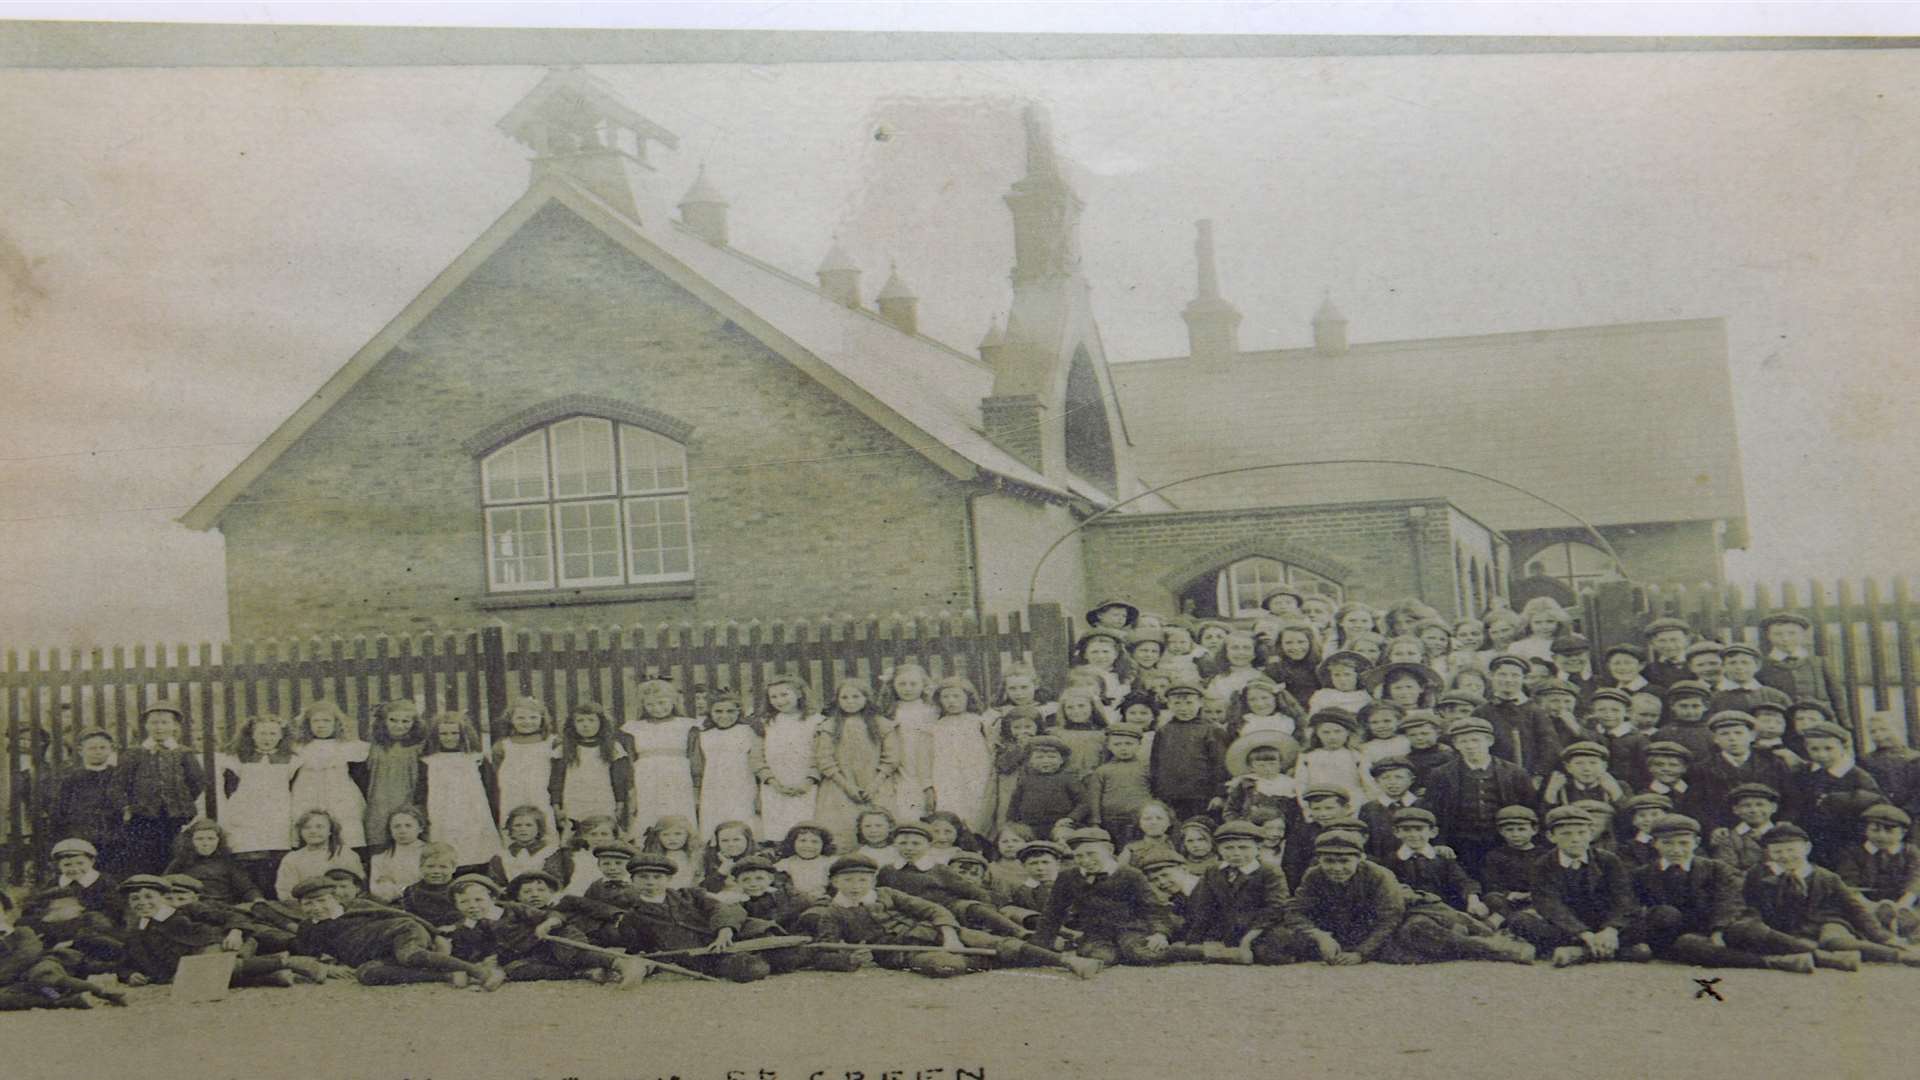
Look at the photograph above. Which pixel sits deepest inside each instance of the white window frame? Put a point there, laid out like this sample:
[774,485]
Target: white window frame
[1226,595]
[623,494]
[1558,559]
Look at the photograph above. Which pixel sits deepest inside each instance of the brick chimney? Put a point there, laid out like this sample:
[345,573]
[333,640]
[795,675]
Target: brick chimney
[705,211]
[1329,329]
[1213,325]
[578,128]
[839,277]
[897,303]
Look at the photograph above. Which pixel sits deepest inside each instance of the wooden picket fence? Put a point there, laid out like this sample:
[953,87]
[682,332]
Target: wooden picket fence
[46,696]
[1868,630]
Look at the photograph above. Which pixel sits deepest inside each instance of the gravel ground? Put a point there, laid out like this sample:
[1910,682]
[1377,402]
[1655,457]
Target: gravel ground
[1196,1023]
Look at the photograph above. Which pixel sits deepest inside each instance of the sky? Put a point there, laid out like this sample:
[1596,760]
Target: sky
[186,254]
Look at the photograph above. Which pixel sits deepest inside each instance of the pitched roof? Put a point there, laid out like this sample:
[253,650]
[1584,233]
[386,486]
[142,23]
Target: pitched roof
[924,393]
[1623,424]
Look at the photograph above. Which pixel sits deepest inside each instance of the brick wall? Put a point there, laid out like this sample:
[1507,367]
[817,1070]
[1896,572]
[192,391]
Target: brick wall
[1367,546]
[801,506]
[1010,533]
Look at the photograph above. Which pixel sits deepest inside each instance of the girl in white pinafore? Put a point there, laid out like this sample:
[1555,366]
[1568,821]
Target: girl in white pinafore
[726,744]
[325,748]
[661,743]
[256,798]
[789,783]
[523,762]
[961,769]
[458,787]
[903,693]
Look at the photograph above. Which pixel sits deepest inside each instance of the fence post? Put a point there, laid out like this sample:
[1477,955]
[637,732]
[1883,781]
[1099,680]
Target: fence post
[493,667]
[1615,613]
[1051,643]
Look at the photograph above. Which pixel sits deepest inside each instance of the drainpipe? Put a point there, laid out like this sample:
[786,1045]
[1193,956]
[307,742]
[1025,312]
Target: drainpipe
[973,553]
[1416,517]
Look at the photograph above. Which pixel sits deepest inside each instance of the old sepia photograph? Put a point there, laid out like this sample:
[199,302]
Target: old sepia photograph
[735,549]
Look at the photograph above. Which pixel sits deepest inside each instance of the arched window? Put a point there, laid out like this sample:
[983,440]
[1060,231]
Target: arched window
[586,501]
[1239,588]
[1573,564]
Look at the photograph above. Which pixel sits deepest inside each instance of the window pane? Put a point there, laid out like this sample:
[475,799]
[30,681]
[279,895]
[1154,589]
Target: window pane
[518,541]
[589,543]
[659,538]
[652,461]
[582,457]
[518,470]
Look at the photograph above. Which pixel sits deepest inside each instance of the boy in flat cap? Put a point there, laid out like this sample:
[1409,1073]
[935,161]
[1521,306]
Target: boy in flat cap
[1734,762]
[526,943]
[1044,793]
[75,864]
[1703,663]
[1427,869]
[1393,777]
[1625,667]
[1465,796]
[1235,914]
[82,800]
[159,935]
[1513,716]
[1582,776]
[1668,765]
[384,946]
[1349,911]
[1427,753]
[592,921]
[1555,728]
[1636,834]
[1187,765]
[1117,788]
[1572,656]
[1692,905]
[1738,687]
[1582,898]
[1173,883]
[1803,908]
[1115,910]
[1791,665]
[1738,844]
[32,978]
[1667,640]
[1610,723]
[1893,766]
[864,913]
[1829,792]
[1686,717]
[1506,877]
[919,874]
[661,918]
[1884,869]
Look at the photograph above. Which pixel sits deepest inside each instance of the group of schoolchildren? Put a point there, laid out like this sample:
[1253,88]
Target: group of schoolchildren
[1335,784]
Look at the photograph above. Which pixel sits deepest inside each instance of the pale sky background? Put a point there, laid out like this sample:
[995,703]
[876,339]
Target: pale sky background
[188,253]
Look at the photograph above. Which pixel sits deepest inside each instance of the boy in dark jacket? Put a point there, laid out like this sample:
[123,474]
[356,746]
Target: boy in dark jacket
[1506,877]
[82,800]
[526,943]
[919,875]
[1583,902]
[1692,905]
[1885,869]
[1424,868]
[1044,794]
[1235,915]
[385,946]
[1187,766]
[1113,907]
[1803,908]
[1466,794]
[32,978]
[159,935]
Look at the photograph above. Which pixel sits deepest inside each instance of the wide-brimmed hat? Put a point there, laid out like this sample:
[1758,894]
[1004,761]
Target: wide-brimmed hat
[1244,746]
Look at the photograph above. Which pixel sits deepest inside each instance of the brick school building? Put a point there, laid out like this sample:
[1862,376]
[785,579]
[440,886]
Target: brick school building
[603,413]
